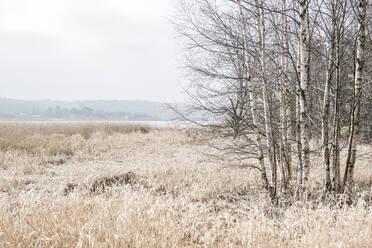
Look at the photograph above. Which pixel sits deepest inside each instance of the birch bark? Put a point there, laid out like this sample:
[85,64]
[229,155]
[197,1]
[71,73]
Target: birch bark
[265,91]
[305,134]
[355,113]
[326,100]
[285,99]
[252,98]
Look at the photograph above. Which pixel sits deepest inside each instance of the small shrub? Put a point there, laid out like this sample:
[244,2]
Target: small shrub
[101,184]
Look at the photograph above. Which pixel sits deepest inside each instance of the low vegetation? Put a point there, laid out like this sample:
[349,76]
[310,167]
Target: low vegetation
[116,185]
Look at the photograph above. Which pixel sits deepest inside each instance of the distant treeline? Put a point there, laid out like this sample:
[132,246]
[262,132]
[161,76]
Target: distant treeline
[74,113]
[15,109]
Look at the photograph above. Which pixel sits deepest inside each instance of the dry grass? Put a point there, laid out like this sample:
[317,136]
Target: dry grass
[13,134]
[64,186]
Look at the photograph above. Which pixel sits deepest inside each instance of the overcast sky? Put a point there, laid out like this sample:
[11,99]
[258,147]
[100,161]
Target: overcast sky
[88,49]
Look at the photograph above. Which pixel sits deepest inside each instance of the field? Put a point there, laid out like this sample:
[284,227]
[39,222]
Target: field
[115,185]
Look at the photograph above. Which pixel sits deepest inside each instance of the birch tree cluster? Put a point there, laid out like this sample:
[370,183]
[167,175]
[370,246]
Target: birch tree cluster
[281,80]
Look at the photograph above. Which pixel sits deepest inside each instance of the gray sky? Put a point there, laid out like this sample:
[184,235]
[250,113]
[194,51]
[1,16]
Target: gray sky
[88,49]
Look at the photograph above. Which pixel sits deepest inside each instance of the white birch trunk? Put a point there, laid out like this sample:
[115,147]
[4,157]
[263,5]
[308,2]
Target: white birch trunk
[300,169]
[305,134]
[326,101]
[355,115]
[252,99]
[336,127]
[267,112]
[285,99]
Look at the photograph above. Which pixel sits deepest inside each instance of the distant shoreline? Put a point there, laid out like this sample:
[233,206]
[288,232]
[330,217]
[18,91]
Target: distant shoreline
[158,124]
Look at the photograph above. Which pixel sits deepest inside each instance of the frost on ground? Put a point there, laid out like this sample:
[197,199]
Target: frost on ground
[110,186]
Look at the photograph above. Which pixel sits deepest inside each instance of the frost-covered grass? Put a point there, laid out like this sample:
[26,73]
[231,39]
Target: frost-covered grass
[174,196]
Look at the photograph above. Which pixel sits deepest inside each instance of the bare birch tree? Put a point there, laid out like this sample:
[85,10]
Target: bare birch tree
[304,64]
[285,98]
[355,113]
[265,91]
[251,97]
[327,91]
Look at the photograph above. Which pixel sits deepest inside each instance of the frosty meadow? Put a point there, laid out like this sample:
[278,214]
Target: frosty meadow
[115,185]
